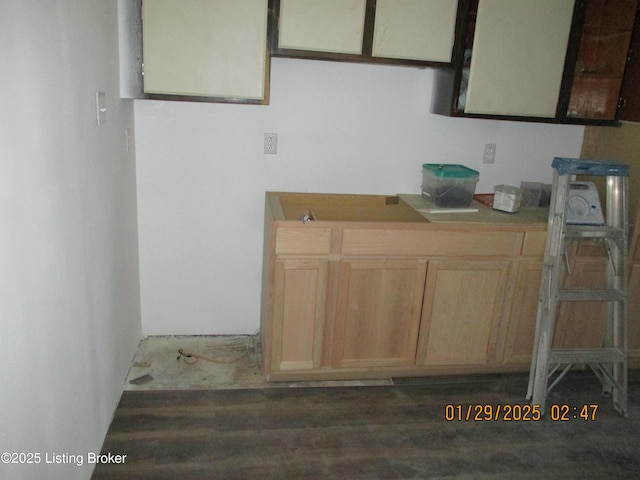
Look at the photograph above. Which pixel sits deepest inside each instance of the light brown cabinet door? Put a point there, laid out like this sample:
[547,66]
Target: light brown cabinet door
[581,324]
[633,330]
[298,314]
[378,312]
[523,312]
[461,312]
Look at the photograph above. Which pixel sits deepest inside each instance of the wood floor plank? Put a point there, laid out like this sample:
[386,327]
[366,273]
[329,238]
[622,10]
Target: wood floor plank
[382,432]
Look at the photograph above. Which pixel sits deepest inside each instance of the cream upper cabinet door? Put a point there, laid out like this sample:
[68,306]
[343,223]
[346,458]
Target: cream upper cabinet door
[322,25]
[415,29]
[518,57]
[212,48]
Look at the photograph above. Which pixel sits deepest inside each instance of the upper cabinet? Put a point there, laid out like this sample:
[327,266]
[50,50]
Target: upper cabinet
[530,35]
[213,50]
[410,32]
[559,61]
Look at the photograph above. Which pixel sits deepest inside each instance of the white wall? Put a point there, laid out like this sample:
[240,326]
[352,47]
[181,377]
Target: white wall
[69,301]
[350,128]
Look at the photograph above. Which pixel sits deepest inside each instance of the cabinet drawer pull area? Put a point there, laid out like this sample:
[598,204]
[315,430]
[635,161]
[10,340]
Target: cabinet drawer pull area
[430,242]
[303,240]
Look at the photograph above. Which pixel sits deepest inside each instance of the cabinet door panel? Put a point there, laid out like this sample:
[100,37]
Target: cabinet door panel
[633,330]
[378,312]
[508,32]
[215,48]
[582,324]
[524,310]
[461,312]
[415,29]
[298,316]
[322,25]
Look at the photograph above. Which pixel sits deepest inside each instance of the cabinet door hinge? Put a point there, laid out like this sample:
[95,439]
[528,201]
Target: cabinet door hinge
[622,102]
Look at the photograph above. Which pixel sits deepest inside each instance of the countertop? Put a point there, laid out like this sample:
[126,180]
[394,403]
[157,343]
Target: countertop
[484,214]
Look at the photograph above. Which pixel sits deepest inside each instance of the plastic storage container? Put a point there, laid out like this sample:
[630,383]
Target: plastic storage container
[531,193]
[449,185]
[507,198]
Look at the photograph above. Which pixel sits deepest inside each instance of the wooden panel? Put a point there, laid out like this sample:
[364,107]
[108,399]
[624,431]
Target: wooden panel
[633,330]
[214,48]
[630,93]
[322,25]
[415,29]
[594,97]
[303,240]
[602,58]
[347,208]
[378,312]
[581,324]
[298,317]
[518,57]
[461,312]
[534,243]
[430,242]
[524,309]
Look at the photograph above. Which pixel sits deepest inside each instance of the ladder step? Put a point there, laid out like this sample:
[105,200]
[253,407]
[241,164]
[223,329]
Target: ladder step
[590,295]
[586,355]
[593,232]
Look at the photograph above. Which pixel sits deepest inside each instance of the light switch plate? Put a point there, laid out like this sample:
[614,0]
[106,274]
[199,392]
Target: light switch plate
[101,108]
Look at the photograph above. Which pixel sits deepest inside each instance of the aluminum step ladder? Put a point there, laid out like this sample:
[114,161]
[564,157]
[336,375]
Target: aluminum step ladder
[609,363]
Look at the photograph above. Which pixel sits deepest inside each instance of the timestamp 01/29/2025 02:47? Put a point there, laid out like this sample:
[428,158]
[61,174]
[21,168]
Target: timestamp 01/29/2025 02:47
[517,413]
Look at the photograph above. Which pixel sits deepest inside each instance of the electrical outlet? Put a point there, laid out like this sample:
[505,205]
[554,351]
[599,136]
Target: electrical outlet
[489,153]
[270,143]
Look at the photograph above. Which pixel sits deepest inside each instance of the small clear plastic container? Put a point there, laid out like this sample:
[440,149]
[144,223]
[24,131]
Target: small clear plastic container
[449,185]
[507,198]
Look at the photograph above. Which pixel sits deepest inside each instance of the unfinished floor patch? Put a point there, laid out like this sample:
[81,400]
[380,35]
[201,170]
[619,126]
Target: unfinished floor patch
[208,362]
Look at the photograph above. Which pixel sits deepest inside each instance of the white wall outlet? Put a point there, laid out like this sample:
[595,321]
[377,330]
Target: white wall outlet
[489,153]
[270,143]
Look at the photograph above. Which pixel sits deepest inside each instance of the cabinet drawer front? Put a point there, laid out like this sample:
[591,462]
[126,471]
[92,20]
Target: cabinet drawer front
[430,243]
[310,241]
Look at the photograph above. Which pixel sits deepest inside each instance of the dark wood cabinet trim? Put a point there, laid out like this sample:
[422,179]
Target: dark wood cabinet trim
[573,47]
[629,105]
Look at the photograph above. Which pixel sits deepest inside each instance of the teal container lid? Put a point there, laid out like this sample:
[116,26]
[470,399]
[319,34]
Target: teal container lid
[450,170]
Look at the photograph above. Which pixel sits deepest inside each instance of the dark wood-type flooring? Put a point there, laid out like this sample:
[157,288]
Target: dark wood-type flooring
[385,432]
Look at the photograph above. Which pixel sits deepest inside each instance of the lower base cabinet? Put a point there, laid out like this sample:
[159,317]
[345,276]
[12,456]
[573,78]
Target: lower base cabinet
[402,301]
